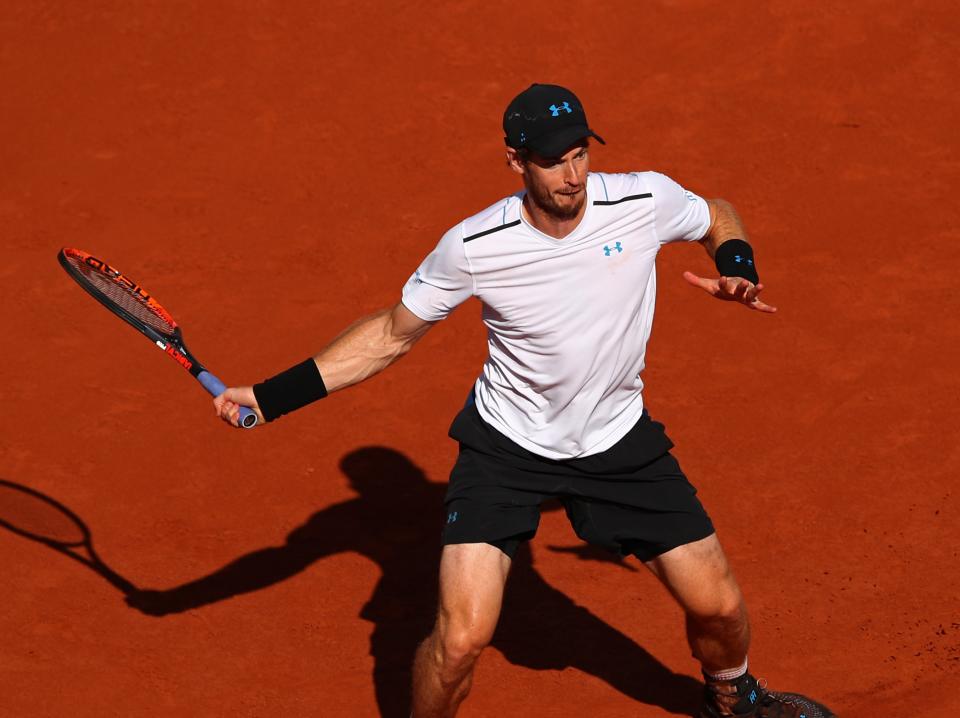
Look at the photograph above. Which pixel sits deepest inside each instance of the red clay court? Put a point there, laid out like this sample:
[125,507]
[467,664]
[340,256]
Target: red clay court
[271,171]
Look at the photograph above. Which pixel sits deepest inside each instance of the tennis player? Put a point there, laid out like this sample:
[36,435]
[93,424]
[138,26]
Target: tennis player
[565,273]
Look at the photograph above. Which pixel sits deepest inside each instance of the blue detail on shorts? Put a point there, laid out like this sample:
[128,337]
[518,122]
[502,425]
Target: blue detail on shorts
[753,696]
[608,251]
[739,260]
[452,517]
[565,106]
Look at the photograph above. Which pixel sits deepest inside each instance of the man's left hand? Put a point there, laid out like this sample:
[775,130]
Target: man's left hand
[731,289]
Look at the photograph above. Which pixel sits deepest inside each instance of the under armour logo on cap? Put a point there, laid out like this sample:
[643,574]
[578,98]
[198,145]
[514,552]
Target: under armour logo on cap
[539,120]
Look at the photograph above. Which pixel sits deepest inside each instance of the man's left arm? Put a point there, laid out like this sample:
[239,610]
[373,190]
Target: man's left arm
[726,243]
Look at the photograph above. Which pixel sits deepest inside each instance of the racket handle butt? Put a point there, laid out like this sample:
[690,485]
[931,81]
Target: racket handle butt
[248,419]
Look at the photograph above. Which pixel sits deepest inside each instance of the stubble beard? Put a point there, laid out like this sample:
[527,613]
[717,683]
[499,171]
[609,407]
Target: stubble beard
[548,203]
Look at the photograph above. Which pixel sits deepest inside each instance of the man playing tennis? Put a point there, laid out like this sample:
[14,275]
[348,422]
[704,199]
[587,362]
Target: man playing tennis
[565,272]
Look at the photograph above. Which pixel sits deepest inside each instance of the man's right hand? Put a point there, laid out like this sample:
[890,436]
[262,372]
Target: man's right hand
[228,404]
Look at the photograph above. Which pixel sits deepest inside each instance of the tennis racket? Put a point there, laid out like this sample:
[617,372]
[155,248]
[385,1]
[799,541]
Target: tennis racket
[28,513]
[132,303]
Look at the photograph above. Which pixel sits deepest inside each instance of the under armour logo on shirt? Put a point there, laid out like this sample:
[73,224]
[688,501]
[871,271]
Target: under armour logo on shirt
[565,107]
[608,250]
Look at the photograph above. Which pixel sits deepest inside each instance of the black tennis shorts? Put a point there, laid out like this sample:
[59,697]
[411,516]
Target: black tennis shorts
[631,499]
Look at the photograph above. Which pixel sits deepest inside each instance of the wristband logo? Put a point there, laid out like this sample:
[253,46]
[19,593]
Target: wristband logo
[741,259]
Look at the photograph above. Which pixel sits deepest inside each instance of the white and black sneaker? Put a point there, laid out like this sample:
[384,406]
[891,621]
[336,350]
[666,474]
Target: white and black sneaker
[746,697]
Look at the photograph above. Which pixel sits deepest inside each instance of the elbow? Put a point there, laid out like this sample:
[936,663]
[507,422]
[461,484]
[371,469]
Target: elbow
[718,205]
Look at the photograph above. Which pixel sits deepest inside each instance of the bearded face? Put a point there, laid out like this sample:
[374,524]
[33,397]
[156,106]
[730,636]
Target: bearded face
[558,186]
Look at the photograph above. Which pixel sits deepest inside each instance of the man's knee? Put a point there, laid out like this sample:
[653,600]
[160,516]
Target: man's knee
[462,645]
[718,601]
[700,578]
[724,605]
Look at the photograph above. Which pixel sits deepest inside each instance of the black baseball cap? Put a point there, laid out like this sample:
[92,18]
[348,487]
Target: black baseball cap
[547,119]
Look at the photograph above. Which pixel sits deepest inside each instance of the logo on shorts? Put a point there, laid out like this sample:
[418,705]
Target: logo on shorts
[607,250]
[452,517]
[565,107]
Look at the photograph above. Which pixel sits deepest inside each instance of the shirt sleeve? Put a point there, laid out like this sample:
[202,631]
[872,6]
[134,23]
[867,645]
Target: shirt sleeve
[680,214]
[442,281]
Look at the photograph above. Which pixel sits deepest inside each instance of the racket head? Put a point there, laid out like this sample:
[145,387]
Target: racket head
[132,303]
[33,515]
[120,294]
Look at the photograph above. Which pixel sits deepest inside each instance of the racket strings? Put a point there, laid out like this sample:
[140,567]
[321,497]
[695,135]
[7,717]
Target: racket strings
[142,308]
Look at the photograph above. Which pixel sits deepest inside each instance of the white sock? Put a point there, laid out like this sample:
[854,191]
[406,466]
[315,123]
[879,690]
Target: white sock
[730,674]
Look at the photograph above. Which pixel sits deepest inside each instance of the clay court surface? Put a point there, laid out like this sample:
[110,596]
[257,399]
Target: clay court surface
[270,171]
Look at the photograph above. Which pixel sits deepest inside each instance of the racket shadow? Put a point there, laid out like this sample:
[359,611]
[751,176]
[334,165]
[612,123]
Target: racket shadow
[395,521]
[37,517]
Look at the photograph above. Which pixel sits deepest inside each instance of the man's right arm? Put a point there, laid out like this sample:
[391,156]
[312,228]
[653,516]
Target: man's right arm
[366,347]
[370,345]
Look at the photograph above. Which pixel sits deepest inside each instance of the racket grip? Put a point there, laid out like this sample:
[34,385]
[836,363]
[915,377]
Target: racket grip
[248,419]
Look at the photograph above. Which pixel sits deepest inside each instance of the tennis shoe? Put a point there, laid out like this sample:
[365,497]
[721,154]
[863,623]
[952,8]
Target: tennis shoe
[746,697]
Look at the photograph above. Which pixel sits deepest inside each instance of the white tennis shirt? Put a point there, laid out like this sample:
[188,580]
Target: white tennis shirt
[567,319]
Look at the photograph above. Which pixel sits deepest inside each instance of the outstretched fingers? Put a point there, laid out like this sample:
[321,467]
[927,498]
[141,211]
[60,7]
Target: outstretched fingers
[708,285]
[751,299]
[731,289]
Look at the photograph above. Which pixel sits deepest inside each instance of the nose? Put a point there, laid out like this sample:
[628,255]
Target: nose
[570,174]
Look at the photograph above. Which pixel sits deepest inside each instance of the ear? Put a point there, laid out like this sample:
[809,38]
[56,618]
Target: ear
[514,162]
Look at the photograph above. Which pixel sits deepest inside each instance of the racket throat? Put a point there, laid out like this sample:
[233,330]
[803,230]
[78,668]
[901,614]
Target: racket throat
[179,356]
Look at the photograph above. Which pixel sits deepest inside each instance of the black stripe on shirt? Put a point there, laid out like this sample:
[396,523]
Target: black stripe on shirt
[645,195]
[491,231]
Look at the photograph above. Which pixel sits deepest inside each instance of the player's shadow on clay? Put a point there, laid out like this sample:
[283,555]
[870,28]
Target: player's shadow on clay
[395,521]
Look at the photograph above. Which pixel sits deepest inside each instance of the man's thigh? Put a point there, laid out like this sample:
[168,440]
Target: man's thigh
[699,577]
[472,579]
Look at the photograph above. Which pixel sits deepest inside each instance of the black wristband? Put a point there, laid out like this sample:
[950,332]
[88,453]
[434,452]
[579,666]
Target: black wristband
[289,390]
[734,258]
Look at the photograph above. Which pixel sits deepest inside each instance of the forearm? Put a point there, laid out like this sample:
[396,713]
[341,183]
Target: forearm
[366,347]
[725,224]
